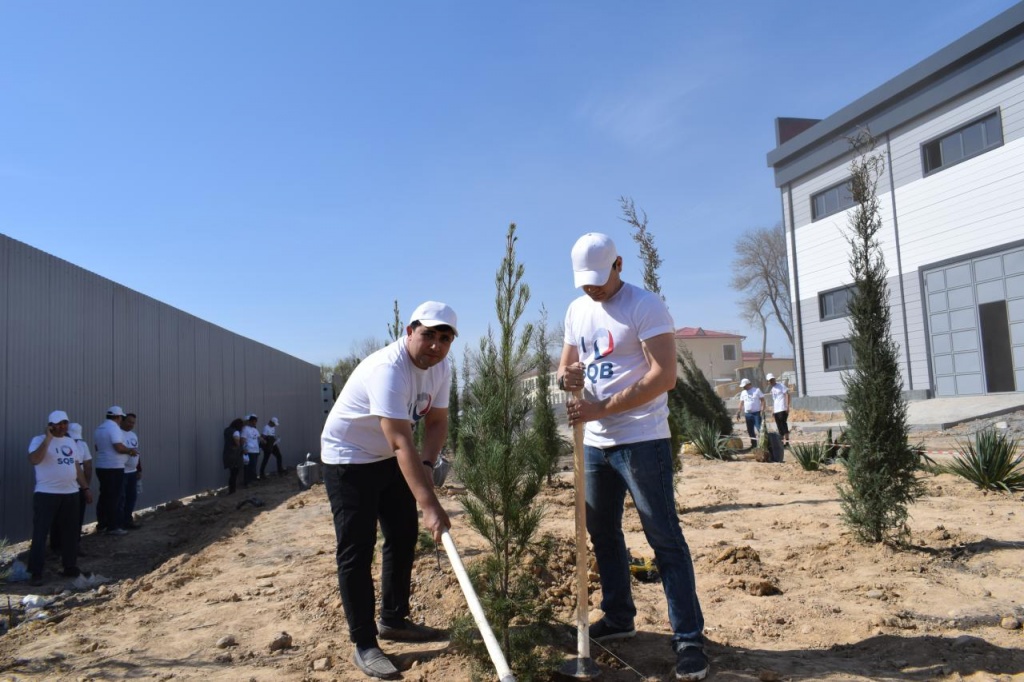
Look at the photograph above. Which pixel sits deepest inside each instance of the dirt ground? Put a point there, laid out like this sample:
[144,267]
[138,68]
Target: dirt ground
[787,592]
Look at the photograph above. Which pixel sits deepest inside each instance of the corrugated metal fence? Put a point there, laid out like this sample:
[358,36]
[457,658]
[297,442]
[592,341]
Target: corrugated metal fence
[75,341]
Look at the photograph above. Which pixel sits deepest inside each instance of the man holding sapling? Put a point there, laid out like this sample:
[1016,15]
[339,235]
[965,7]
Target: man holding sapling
[374,472]
[620,351]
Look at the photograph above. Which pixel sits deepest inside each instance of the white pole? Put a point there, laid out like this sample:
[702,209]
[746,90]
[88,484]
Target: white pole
[498,658]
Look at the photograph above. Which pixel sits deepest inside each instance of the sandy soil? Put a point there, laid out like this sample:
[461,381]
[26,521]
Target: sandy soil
[788,594]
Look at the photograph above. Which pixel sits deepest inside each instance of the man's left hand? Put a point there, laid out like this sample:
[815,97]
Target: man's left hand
[583,411]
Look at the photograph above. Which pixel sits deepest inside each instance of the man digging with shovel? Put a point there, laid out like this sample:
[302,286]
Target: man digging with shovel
[620,351]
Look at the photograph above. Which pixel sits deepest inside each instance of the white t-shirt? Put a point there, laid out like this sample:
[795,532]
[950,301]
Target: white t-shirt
[778,392]
[131,464]
[608,335]
[250,440]
[270,430]
[108,433]
[751,398]
[385,384]
[82,454]
[57,473]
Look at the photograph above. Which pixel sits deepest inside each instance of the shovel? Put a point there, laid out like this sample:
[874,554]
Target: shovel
[582,667]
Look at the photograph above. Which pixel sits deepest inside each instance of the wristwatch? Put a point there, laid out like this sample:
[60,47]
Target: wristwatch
[561,383]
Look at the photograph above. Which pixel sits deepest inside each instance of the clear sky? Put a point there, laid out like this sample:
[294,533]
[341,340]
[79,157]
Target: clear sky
[288,169]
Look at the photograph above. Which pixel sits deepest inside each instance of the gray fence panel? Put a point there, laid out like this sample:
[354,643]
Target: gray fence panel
[75,341]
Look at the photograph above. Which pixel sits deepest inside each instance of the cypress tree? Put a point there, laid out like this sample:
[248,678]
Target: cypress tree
[454,418]
[545,426]
[881,469]
[503,470]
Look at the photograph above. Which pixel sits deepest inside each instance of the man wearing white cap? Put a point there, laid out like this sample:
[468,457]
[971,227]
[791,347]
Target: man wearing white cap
[751,409]
[84,458]
[374,472]
[620,351]
[111,456]
[59,478]
[780,406]
[270,447]
[251,441]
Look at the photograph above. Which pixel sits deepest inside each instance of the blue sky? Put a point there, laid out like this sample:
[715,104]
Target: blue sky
[288,169]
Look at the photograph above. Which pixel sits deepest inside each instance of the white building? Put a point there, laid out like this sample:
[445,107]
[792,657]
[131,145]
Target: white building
[951,133]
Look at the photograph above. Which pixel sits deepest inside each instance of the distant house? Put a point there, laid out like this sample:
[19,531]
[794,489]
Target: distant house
[951,196]
[531,379]
[717,354]
[772,364]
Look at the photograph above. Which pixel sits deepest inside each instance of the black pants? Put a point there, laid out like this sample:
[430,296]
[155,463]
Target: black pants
[781,419]
[360,494]
[233,479]
[46,507]
[55,529]
[111,494]
[271,449]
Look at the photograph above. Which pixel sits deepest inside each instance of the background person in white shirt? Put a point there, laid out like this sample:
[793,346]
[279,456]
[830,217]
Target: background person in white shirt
[251,440]
[374,473]
[59,480]
[84,458]
[111,456]
[270,447]
[751,409]
[780,406]
[132,475]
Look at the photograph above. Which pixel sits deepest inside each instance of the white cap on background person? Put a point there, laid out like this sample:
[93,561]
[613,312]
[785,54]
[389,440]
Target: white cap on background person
[75,430]
[770,376]
[592,258]
[435,314]
[251,415]
[115,411]
[744,382]
[57,416]
[274,421]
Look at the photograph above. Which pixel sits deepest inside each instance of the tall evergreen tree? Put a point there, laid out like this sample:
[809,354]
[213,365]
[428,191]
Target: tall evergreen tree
[696,401]
[502,467]
[395,328]
[881,471]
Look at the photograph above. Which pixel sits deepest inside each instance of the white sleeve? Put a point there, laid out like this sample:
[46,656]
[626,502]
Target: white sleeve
[36,442]
[387,391]
[652,318]
[116,436]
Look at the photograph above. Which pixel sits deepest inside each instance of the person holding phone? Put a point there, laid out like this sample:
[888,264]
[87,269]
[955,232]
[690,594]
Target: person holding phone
[59,482]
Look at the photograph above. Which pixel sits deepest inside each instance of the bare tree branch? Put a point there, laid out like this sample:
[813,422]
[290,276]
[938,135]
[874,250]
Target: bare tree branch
[761,273]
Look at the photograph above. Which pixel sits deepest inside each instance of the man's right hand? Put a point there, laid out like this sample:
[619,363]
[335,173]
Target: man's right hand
[435,519]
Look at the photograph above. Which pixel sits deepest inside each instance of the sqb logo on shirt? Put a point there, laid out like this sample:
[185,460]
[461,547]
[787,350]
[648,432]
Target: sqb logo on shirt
[602,346]
[422,406]
[67,453]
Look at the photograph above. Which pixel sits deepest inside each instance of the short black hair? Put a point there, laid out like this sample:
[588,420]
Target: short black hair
[441,327]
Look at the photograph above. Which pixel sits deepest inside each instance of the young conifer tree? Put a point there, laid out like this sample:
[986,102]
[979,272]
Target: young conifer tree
[454,416]
[881,471]
[502,468]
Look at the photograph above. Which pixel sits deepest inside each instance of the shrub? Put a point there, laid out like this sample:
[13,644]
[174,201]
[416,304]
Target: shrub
[990,462]
[810,455]
[709,441]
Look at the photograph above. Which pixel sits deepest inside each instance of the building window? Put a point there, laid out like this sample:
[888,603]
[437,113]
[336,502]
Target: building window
[838,355]
[835,303]
[729,352]
[963,143]
[832,200]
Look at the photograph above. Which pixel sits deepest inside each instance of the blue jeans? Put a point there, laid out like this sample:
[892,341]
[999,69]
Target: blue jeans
[131,494]
[753,424]
[645,470]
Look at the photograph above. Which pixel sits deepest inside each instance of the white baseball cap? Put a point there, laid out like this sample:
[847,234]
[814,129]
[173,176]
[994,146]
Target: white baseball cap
[274,421]
[57,416]
[115,411]
[769,376]
[435,314]
[592,258]
[251,415]
[75,430]
[744,382]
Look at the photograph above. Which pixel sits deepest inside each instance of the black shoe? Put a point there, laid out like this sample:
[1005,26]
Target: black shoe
[374,663]
[691,663]
[407,631]
[132,526]
[602,632]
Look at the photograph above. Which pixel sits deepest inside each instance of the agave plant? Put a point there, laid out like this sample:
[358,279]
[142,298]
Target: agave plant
[810,455]
[709,442]
[990,462]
